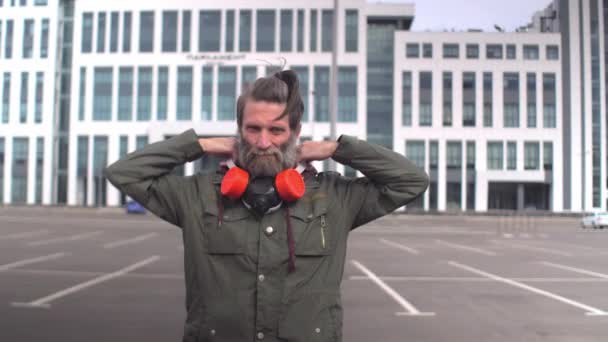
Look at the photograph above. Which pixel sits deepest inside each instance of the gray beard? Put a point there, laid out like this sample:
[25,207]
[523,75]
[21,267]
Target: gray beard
[268,162]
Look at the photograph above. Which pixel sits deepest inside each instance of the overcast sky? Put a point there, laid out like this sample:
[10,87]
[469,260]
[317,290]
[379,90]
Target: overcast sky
[437,15]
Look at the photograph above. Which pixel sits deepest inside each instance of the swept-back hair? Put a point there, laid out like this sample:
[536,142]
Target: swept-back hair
[282,87]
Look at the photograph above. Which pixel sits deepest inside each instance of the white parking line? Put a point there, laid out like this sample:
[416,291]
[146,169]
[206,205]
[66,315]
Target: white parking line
[531,248]
[130,241]
[411,310]
[468,248]
[577,270]
[44,302]
[479,279]
[63,239]
[23,235]
[400,246]
[31,261]
[591,311]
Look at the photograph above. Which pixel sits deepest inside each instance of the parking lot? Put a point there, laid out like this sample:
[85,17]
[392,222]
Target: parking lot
[86,275]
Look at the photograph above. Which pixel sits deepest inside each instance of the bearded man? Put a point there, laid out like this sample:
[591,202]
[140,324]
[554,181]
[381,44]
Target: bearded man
[265,236]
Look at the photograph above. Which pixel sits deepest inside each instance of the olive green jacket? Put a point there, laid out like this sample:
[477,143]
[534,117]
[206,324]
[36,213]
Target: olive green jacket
[238,287]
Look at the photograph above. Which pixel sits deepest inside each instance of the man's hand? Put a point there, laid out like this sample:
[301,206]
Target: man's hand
[316,150]
[219,146]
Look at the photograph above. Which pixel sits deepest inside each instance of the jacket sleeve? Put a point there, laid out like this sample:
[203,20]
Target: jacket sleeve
[391,180]
[145,175]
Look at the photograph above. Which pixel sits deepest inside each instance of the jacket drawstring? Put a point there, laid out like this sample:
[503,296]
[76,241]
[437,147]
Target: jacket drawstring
[290,243]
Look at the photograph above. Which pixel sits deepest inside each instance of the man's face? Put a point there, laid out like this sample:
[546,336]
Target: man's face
[266,145]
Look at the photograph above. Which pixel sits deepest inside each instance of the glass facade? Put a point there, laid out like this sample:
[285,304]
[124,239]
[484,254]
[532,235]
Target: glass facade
[87,32]
[229,47]
[39,97]
[82,93]
[19,177]
[249,74]
[472,51]
[447,98]
[300,30]
[186,30]
[114,18]
[454,183]
[265,37]
[8,42]
[302,72]
[494,51]
[548,155]
[313,30]
[488,102]
[351,43]
[510,99]
[39,170]
[207,93]
[327,22]
[412,50]
[321,93]
[347,94]
[146,31]
[125,94]
[451,51]
[100,161]
[597,145]
[28,38]
[144,93]
[531,99]
[415,151]
[406,100]
[126,32]
[286,30]
[209,30]
[495,155]
[184,93]
[102,88]
[101,32]
[226,93]
[468,99]
[531,52]
[23,112]
[44,39]
[531,155]
[549,100]
[162,93]
[511,155]
[82,170]
[433,166]
[6,96]
[426,99]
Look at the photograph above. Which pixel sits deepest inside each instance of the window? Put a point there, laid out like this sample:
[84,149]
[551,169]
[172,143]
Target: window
[102,88]
[24,96]
[20,170]
[321,93]
[426,99]
[87,32]
[313,30]
[249,75]
[327,21]
[2,153]
[100,161]
[302,72]
[1,37]
[169,31]
[141,141]
[412,50]
[163,93]
[265,30]
[494,51]
[531,101]
[229,47]
[414,151]
[209,29]
[114,32]
[207,93]
[427,50]
[226,93]
[82,169]
[146,31]
[511,99]
[552,52]
[39,169]
[511,155]
[125,94]
[450,51]
[472,51]
[468,99]
[495,156]
[406,88]
[184,93]
[39,97]
[454,155]
[82,92]
[186,30]
[470,155]
[8,44]
[44,39]
[28,38]
[487,100]
[352,30]
[101,32]
[511,51]
[6,96]
[447,98]
[347,94]
[286,30]
[245,31]
[144,93]
[126,32]
[531,52]
[548,155]
[300,30]
[531,155]
[40,2]
[549,100]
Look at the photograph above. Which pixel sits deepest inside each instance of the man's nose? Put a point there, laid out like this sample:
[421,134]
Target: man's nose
[263,141]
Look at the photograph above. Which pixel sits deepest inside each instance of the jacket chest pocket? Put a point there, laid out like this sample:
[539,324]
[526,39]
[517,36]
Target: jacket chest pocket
[313,233]
[225,235]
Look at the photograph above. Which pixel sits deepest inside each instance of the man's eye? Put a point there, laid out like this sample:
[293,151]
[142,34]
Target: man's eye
[277,130]
[253,129]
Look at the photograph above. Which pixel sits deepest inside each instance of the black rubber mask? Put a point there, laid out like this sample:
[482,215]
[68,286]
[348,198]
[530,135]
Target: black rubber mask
[261,195]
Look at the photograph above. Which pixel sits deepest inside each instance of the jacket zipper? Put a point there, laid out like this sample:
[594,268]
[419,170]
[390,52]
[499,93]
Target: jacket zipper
[323,225]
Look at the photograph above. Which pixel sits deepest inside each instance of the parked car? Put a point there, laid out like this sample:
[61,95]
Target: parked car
[595,220]
[134,207]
